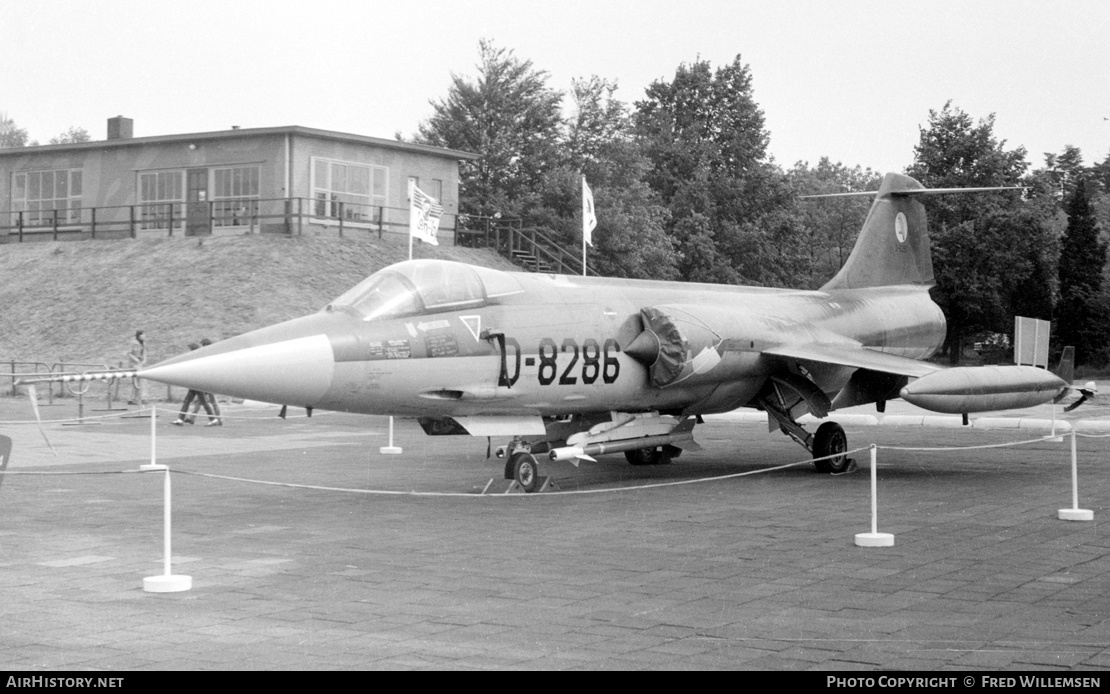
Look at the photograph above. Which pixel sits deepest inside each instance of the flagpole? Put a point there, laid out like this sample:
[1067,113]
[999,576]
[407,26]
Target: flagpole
[391,449]
[585,223]
[583,255]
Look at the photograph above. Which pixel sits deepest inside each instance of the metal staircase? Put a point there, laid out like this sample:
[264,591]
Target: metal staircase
[530,249]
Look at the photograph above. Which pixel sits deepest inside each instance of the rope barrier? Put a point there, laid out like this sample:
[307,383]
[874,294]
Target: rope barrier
[387,492]
[638,487]
[71,472]
[964,448]
[569,492]
[142,411]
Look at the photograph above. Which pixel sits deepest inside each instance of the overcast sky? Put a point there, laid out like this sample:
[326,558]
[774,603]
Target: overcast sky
[853,81]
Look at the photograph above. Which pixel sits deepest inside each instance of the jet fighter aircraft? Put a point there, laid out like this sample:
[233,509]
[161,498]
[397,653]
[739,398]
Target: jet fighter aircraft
[571,367]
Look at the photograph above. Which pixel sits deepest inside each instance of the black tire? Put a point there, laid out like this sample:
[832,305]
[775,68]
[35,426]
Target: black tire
[526,471]
[830,439]
[647,456]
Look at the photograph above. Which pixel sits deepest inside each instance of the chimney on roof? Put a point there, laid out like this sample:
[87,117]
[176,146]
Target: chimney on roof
[120,128]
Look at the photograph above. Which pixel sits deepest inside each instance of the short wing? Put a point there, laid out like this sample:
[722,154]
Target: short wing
[859,357]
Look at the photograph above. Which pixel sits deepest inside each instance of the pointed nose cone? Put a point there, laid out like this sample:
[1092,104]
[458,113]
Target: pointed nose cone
[291,363]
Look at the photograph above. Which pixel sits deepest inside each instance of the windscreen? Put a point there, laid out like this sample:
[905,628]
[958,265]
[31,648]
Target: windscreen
[413,287]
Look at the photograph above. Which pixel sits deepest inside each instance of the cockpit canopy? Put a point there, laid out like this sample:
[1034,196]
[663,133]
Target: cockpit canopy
[424,286]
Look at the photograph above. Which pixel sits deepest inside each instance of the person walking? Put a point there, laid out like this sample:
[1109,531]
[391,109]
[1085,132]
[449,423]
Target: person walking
[136,357]
[210,398]
[196,399]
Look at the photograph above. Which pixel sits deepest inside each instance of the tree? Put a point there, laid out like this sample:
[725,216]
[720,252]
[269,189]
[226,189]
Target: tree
[1066,170]
[74,134]
[11,135]
[1101,173]
[986,246]
[703,135]
[1082,314]
[511,119]
[630,238]
[831,226]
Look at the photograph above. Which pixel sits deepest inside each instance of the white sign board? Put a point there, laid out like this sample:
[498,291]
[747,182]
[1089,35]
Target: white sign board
[1031,341]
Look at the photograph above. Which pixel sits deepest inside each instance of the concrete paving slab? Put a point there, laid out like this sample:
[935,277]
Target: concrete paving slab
[310,550]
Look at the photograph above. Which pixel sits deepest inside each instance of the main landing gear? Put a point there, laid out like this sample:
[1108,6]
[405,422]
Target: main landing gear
[830,440]
[829,444]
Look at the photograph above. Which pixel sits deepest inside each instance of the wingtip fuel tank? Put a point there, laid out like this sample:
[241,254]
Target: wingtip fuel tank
[983,389]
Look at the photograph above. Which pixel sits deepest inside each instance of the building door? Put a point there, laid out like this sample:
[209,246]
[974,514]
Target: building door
[198,215]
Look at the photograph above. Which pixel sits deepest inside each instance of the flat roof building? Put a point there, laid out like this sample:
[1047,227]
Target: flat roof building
[291,179]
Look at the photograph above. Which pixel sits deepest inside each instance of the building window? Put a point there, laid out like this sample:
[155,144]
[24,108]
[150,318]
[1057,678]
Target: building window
[40,195]
[347,190]
[235,196]
[160,196]
[433,188]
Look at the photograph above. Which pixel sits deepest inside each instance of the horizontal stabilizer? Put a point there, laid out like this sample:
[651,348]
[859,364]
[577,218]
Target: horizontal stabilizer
[893,246]
[915,192]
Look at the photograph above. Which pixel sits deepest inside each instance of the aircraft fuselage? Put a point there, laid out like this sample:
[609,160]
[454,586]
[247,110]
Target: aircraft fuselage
[553,345]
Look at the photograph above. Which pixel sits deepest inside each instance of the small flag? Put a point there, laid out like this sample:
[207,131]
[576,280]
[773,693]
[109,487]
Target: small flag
[424,215]
[589,219]
[38,417]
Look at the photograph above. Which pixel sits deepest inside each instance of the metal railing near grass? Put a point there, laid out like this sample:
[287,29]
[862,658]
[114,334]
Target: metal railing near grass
[290,216]
[16,371]
[531,248]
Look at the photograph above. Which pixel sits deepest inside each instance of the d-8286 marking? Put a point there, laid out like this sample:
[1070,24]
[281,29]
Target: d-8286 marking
[597,360]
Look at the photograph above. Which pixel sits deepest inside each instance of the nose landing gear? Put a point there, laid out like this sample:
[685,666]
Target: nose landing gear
[525,471]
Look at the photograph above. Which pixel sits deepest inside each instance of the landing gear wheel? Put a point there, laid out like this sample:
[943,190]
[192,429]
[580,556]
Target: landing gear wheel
[526,471]
[648,456]
[830,439]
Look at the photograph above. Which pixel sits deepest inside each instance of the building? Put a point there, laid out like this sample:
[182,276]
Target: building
[291,180]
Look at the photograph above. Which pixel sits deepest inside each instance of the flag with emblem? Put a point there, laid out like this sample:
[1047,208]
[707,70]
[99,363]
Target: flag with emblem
[589,219]
[424,214]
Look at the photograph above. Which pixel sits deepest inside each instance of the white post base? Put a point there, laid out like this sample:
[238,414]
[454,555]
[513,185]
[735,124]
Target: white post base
[390,450]
[874,540]
[1076,514]
[167,584]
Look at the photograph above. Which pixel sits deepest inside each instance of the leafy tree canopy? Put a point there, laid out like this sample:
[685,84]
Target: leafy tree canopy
[630,239]
[1083,318]
[511,118]
[11,135]
[830,227]
[704,137]
[74,134]
[989,249]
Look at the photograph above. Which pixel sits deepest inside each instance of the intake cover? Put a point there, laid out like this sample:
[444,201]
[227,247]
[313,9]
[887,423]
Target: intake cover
[662,347]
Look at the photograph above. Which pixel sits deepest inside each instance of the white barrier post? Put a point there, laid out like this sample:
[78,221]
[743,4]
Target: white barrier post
[167,582]
[390,449]
[153,464]
[874,538]
[1053,436]
[1075,513]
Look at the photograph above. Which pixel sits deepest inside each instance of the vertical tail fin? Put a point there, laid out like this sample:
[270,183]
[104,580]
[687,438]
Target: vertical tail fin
[893,246]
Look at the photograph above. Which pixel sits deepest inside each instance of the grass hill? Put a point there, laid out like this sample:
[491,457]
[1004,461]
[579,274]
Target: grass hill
[82,301]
